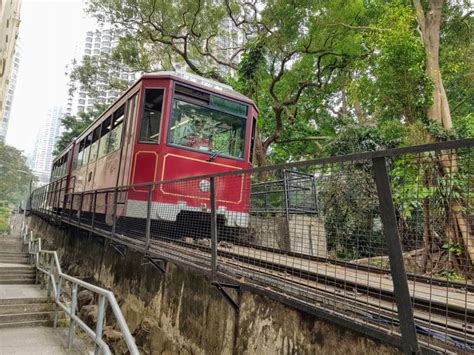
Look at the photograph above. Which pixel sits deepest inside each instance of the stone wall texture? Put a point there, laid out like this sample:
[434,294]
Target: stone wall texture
[179,312]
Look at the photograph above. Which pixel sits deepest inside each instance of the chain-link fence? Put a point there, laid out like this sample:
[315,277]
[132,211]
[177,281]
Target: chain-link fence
[381,242]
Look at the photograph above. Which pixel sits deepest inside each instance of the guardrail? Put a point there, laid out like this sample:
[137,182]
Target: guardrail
[386,247]
[47,262]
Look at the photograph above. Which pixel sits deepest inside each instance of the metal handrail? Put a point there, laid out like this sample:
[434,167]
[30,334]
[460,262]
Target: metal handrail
[54,272]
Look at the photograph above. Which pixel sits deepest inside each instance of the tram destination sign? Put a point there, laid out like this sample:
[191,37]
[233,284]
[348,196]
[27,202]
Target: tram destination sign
[229,106]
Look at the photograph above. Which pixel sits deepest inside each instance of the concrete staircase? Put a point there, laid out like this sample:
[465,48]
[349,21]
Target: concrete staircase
[26,312]
[15,268]
[22,303]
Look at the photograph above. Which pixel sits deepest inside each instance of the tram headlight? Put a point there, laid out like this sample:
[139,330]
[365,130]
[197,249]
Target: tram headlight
[204,185]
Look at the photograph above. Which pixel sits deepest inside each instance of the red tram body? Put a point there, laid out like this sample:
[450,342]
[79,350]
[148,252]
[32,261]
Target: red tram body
[166,126]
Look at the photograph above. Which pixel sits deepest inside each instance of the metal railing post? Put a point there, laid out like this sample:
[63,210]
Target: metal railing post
[51,267]
[148,218]
[213,227]
[57,300]
[100,322]
[72,313]
[397,266]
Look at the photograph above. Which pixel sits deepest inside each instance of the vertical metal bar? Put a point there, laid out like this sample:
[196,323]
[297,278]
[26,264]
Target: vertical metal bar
[285,187]
[213,227]
[71,206]
[397,267]
[100,322]
[51,270]
[94,205]
[148,218]
[72,312]
[57,300]
[114,213]
[79,210]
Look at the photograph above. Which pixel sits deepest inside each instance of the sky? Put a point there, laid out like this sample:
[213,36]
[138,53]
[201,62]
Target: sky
[50,32]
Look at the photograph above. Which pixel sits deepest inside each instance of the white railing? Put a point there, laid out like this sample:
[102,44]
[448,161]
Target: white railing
[47,262]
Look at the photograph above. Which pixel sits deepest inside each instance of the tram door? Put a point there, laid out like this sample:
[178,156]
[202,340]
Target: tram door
[146,155]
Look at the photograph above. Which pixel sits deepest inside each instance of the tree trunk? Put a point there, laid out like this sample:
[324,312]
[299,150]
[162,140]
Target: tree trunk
[430,24]
[260,151]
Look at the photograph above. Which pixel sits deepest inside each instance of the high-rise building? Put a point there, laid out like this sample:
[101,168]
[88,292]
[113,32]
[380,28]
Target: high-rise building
[47,135]
[10,94]
[97,43]
[9,23]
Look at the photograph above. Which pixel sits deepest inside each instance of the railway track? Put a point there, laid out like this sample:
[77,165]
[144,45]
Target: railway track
[443,311]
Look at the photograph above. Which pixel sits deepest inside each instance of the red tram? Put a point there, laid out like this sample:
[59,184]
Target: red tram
[166,126]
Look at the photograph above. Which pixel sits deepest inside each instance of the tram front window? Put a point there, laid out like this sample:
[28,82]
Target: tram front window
[205,129]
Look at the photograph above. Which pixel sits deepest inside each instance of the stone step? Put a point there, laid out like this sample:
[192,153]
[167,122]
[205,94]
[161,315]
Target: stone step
[18,281]
[13,260]
[26,308]
[17,276]
[24,317]
[34,323]
[13,253]
[17,269]
[10,301]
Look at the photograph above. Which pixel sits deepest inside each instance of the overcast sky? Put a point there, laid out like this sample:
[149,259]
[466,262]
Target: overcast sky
[50,32]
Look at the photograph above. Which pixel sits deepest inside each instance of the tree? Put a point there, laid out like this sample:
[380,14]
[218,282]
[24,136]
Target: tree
[293,54]
[15,176]
[429,20]
[75,125]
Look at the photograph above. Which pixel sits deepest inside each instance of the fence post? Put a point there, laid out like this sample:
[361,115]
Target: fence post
[114,212]
[213,227]
[94,205]
[51,270]
[57,300]
[72,313]
[100,322]
[148,218]
[395,254]
[71,206]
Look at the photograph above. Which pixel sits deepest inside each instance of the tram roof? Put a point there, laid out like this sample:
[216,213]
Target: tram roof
[204,83]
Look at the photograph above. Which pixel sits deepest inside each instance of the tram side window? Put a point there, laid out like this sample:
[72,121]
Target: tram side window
[53,172]
[252,142]
[104,140]
[151,116]
[94,145]
[80,155]
[87,148]
[117,127]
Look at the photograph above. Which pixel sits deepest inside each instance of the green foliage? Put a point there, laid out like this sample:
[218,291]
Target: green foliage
[391,81]
[4,217]
[102,68]
[451,275]
[15,176]
[75,125]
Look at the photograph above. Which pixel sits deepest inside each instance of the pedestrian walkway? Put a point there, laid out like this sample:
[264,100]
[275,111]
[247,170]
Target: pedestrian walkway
[38,341]
[26,313]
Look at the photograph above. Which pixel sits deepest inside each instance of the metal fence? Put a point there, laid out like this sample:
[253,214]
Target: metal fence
[380,242]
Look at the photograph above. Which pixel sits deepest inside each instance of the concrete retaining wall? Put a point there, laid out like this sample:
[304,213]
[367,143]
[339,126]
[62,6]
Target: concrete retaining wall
[180,313]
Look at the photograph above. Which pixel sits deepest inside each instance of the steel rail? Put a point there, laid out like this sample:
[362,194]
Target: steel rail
[293,271]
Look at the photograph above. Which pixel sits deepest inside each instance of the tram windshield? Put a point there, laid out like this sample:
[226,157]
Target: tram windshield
[206,129]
